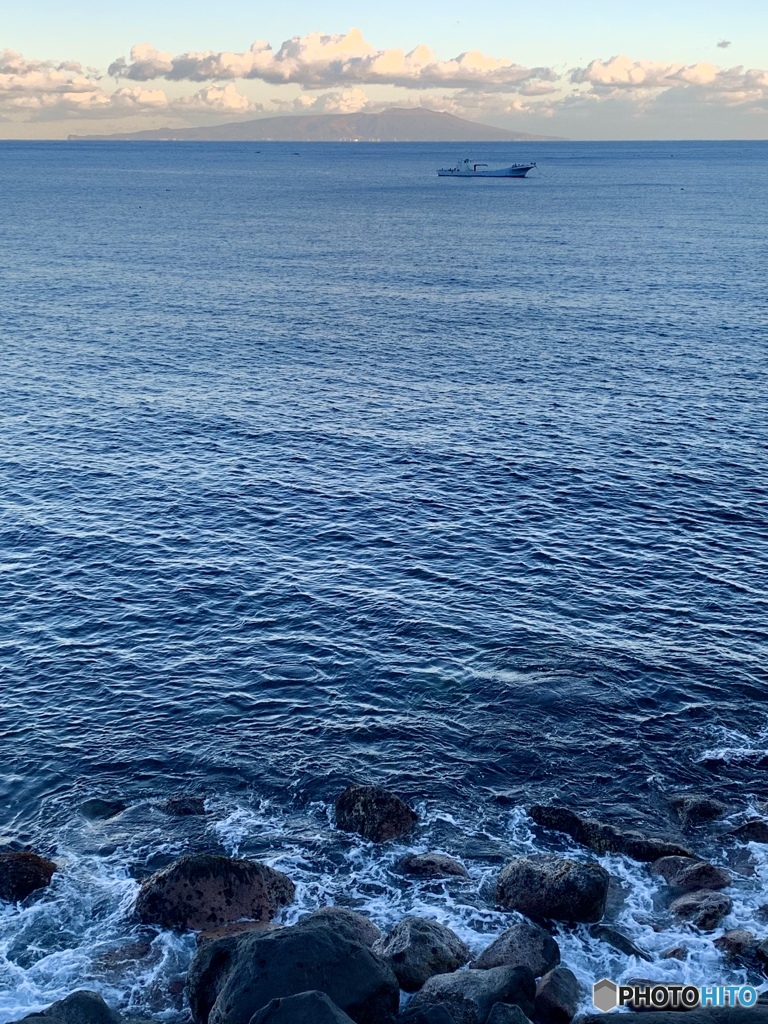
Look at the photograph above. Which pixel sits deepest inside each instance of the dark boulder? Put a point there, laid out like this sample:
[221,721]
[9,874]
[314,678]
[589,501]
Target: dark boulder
[363,929]
[230,980]
[604,838]
[619,941]
[503,1014]
[426,1015]
[416,949]
[184,806]
[22,873]
[82,1007]
[523,944]
[687,873]
[304,1008]
[98,808]
[205,891]
[738,945]
[754,831]
[556,888]
[233,928]
[696,808]
[704,909]
[374,813]
[432,865]
[469,996]
[557,997]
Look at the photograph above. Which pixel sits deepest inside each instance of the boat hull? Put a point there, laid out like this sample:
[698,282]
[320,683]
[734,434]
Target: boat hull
[519,171]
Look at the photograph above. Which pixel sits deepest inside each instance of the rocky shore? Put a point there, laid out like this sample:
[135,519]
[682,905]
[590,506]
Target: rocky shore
[335,966]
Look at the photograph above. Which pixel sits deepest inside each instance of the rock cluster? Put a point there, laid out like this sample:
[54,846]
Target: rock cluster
[336,967]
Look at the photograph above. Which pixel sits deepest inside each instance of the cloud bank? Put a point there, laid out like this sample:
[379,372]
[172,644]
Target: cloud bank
[335,73]
[317,61]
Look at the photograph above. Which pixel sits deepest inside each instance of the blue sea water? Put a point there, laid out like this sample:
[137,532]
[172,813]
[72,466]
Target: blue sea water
[318,468]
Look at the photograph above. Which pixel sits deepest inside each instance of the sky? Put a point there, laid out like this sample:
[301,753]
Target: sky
[584,70]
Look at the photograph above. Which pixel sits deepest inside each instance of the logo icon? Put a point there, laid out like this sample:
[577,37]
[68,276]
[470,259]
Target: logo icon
[605,994]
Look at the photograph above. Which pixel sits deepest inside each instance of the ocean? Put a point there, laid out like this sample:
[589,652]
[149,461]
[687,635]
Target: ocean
[317,468]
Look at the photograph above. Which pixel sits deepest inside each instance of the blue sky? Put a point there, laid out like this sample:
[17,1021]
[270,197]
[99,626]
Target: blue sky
[537,33]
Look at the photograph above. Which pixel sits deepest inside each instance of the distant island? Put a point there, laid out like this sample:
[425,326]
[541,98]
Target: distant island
[398,124]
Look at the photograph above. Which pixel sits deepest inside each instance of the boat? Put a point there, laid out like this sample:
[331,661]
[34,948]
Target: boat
[469,169]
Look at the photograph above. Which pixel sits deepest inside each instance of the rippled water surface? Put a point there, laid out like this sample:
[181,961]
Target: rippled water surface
[316,467]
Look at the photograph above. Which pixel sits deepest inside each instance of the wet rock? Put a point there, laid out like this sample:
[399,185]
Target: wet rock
[81,1007]
[416,949]
[687,873]
[754,831]
[675,953]
[205,891]
[233,928]
[100,809]
[22,873]
[184,806]
[557,997]
[374,813]
[737,944]
[523,944]
[426,1015]
[618,940]
[704,909]
[304,1008]
[117,959]
[432,865]
[470,995]
[695,808]
[231,979]
[556,888]
[604,838]
[761,953]
[364,931]
[502,1014]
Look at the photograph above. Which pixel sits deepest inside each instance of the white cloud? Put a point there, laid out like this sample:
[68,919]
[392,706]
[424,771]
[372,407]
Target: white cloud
[318,61]
[345,101]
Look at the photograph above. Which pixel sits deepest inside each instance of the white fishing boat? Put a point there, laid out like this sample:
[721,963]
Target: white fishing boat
[470,169]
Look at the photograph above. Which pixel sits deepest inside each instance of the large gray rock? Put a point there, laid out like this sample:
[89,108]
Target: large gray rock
[687,873]
[22,873]
[738,945]
[557,997]
[556,888]
[432,865]
[695,808]
[374,813]
[754,831]
[205,891]
[523,944]
[364,930]
[416,949]
[81,1007]
[704,909]
[304,1008]
[230,980]
[470,995]
[603,837]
